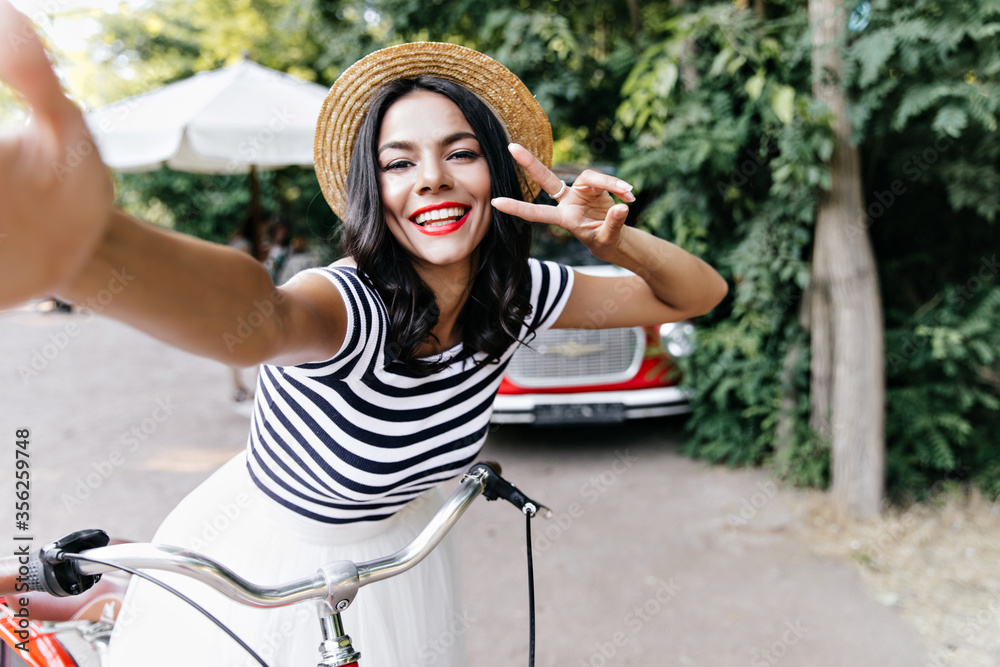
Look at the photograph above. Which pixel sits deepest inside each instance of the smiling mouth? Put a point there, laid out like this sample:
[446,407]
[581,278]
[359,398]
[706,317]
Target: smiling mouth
[440,217]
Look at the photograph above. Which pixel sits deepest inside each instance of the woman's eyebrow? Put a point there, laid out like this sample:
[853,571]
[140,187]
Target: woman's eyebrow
[409,145]
[400,145]
[458,136]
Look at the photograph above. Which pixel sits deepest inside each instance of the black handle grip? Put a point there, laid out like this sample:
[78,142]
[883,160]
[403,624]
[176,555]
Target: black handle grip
[498,487]
[48,571]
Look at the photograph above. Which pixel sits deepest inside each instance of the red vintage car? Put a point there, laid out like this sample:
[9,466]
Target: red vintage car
[594,376]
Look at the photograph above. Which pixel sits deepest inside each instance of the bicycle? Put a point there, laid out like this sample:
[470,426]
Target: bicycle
[75,564]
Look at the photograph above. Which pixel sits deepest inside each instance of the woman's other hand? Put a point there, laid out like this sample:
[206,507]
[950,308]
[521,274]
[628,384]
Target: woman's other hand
[586,209]
[668,285]
[55,194]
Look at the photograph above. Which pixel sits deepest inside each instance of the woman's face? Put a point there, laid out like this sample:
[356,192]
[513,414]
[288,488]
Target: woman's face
[435,180]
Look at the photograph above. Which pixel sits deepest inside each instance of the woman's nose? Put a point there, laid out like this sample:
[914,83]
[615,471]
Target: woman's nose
[432,176]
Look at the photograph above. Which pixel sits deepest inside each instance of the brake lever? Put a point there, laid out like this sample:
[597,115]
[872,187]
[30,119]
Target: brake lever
[498,487]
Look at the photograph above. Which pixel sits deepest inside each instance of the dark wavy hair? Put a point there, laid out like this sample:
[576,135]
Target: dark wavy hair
[498,304]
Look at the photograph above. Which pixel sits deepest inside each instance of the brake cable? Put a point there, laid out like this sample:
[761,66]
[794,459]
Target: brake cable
[51,571]
[498,487]
[171,589]
[531,590]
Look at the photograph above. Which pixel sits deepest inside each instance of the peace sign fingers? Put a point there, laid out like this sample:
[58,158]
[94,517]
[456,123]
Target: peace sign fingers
[596,182]
[586,209]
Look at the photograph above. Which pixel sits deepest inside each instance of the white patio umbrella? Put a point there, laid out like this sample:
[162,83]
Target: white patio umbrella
[231,120]
[226,120]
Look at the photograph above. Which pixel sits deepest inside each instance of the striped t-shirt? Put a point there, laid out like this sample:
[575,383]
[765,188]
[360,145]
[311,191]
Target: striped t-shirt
[346,440]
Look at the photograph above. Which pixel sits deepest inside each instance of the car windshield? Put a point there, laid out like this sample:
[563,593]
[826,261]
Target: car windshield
[556,244]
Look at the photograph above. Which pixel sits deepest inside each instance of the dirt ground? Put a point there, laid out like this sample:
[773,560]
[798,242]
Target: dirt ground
[937,562]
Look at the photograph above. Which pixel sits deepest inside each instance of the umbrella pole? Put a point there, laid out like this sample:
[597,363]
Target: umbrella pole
[258,233]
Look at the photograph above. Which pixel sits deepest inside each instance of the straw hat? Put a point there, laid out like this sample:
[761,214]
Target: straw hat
[347,103]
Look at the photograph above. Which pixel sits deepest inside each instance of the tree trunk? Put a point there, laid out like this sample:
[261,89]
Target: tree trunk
[689,75]
[845,312]
[784,437]
[636,16]
[758,6]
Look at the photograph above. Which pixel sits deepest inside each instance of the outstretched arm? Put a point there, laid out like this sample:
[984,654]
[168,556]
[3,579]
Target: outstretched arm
[205,298]
[669,284]
[59,234]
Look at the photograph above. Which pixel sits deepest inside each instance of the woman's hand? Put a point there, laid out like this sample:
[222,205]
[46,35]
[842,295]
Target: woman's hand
[668,284]
[586,210]
[55,194]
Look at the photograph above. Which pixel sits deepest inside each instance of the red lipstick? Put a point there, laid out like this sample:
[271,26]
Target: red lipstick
[431,229]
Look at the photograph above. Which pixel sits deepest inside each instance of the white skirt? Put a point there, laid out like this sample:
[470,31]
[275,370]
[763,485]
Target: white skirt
[412,620]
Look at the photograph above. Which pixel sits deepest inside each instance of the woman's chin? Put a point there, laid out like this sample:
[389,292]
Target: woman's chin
[441,260]
[446,250]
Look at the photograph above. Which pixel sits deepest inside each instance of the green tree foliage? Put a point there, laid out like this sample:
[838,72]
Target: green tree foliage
[727,147]
[943,405]
[730,162]
[214,207]
[925,81]
[173,39]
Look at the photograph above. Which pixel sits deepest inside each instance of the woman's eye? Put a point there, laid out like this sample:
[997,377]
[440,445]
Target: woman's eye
[465,154]
[396,164]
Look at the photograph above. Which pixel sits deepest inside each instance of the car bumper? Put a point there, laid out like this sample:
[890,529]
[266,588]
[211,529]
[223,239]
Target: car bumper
[589,407]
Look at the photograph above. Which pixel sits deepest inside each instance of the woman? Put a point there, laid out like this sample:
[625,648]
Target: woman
[379,371]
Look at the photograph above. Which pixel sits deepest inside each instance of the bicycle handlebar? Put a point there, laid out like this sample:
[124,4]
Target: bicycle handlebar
[473,484]
[201,568]
[337,582]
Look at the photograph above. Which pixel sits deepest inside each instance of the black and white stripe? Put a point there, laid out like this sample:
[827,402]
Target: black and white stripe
[345,440]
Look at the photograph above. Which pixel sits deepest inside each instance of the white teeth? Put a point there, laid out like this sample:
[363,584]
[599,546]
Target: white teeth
[446,215]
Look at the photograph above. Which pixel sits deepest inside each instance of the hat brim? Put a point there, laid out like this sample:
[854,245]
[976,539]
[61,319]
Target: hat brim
[347,103]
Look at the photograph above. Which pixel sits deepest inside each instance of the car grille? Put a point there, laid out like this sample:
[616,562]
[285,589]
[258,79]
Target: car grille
[573,357]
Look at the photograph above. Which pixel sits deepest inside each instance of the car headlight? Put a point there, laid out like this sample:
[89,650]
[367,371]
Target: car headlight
[678,338]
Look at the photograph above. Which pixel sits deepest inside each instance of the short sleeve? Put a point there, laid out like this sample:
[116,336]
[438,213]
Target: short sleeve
[360,313]
[551,284]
